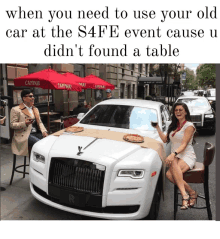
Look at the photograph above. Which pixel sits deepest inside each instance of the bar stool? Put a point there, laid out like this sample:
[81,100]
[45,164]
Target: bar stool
[15,168]
[199,174]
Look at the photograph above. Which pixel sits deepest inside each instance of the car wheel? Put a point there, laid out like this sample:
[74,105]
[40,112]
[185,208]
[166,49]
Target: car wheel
[154,210]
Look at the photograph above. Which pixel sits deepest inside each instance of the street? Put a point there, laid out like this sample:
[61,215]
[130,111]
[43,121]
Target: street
[17,203]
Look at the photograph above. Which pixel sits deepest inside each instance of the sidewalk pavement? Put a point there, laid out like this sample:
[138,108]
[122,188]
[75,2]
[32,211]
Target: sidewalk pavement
[18,193]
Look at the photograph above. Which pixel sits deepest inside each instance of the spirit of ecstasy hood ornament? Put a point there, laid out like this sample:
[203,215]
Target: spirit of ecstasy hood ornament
[79,148]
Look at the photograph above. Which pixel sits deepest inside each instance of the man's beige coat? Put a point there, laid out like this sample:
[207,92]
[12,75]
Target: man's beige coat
[21,131]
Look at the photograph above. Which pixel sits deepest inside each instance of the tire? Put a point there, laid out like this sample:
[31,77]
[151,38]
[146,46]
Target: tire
[154,210]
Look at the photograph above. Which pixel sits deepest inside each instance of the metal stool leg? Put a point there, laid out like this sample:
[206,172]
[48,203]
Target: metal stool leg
[207,199]
[24,166]
[175,200]
[29,153]
[13,168]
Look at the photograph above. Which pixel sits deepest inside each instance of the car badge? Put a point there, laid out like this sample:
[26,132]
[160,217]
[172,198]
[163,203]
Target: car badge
[79,148]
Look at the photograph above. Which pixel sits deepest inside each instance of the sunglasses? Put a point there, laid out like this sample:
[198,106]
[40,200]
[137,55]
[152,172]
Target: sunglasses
[30,96]
[178,110]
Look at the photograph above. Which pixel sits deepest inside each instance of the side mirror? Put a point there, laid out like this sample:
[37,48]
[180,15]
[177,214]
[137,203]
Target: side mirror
[80,116]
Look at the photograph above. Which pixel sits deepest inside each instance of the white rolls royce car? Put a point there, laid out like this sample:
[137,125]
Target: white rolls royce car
[102,177]
[201,112]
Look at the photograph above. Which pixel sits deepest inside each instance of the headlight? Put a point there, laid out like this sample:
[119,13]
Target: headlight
[210,116]
[131,173]
[208,112]
[39,158]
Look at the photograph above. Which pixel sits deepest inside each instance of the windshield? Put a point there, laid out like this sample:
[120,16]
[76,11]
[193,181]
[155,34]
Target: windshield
[200,93]
[211,93]
[194,102]
[121,116]
[188,93]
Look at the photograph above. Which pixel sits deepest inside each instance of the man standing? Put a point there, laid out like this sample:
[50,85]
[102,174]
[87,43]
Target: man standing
[109,95]
[27,124]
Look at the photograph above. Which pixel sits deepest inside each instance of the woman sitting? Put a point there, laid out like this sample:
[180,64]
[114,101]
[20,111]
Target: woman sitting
[182,158]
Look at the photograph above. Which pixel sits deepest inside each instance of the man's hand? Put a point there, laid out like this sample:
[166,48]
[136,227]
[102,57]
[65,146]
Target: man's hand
[45,134]
[2,120]
[28,121]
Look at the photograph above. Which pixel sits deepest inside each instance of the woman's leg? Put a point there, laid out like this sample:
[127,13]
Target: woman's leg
[177,175]
[184,167]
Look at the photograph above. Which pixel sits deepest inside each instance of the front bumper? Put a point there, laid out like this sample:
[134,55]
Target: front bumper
[204,123]
[207,124]
[122,204]
[90,209]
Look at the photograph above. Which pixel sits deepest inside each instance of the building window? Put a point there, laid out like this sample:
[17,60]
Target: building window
[160,90]
[123,72]
[146,69]
[122,65]
[133,92]
[129,91]
[98,94]
[122,90]
[140,68]
[79,70]
[41,96]
[131,67]
[101,75]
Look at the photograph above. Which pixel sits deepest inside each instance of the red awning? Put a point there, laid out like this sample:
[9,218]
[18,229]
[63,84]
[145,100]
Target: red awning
[84,83]
[99,83]
[47,79]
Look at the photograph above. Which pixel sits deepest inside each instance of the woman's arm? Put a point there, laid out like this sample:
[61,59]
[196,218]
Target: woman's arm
[186,138]
[161,134]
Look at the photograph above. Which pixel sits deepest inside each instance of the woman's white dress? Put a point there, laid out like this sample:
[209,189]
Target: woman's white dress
[188,155]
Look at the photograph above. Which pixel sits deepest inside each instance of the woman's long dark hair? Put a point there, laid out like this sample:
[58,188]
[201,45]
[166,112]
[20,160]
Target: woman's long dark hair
[173,125]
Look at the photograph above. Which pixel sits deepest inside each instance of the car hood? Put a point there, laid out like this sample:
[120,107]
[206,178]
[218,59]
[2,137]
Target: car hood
[92,148]
[198,110]
[213,98]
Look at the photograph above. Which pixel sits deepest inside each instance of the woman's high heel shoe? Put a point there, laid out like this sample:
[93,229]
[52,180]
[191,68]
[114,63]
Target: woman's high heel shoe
[193,199]
[185,199]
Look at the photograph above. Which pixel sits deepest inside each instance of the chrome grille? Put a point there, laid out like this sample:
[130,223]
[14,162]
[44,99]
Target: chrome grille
[76,175]
[196,118]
